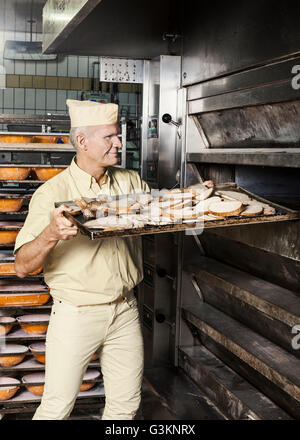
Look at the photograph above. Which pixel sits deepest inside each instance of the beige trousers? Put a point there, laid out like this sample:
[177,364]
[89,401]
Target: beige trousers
[74,335]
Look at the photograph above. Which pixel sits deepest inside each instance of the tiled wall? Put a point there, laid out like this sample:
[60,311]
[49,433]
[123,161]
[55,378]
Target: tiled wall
[39,87]
[32,100]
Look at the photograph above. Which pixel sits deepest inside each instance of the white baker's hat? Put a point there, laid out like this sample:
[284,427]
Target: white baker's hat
[85,113]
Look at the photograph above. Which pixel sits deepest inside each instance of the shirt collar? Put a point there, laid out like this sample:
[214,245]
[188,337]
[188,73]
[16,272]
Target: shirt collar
[84,179]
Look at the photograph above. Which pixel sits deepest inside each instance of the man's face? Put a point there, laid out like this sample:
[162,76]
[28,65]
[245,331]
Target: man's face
[101,145]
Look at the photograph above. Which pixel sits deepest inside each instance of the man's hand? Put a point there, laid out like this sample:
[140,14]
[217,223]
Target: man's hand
[60,228]
[33,254]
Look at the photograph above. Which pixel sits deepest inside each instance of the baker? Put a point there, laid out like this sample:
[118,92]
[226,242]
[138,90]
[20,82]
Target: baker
[91,281]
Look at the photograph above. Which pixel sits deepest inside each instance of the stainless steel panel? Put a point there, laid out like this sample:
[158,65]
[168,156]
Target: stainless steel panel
[274,157]
[168,136]
[149,294]
[234,36]
[61,17]
[111,28]
[150,140]
[271,125]
[272,73]
[278,92]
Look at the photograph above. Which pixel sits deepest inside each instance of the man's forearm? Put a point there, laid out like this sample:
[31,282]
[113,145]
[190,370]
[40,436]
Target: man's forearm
[32,255]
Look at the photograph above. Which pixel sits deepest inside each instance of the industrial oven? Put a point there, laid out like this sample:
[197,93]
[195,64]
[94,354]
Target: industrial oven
[222,303]
[219,305]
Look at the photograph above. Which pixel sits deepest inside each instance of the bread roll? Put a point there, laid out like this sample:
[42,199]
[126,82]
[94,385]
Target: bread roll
[204,194]
[233,195]
[204,205]
[225,208]
[253,209]
[182,214]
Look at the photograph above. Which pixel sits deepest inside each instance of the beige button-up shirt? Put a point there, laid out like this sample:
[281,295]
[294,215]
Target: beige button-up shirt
[81,271]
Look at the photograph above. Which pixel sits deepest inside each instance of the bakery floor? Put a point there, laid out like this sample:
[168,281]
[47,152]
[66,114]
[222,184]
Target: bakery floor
[167,394]
[152,408]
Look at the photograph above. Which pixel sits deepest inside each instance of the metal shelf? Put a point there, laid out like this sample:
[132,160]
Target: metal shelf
[274,157]
[36,307]
[20,335]
[25,396]
[32,364]
[28,146]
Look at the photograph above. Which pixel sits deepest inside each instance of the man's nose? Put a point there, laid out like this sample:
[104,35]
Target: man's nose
[117,142]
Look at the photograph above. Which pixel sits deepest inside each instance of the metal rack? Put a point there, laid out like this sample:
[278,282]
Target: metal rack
[31,154]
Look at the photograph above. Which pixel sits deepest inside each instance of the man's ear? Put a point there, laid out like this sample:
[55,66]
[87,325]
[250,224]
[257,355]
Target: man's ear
[81,141]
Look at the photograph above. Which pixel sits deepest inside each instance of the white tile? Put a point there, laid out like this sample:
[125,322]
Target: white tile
[71,94]
[62,66]
[123,98]
[61,99]
[9,15]
[51,68]
[41,67]
[20,36]
[41,99]
[1,99]
[72,65]
[2,40]
[9,66]
[2,22]
[19,111]
[19,67]
[50,100]
[8,98]
[30,99]
[30,67]
[132,98]
[2,77]
[9,35]
[19,98]
[83,67]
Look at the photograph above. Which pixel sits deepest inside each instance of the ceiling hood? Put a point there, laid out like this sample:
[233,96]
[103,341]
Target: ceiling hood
[26,51]
[113,28]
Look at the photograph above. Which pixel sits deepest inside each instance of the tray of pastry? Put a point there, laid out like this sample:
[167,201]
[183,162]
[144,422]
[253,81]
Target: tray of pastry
[173,210]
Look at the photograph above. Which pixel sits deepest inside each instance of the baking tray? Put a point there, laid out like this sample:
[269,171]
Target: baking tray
[281,214]
[22,186]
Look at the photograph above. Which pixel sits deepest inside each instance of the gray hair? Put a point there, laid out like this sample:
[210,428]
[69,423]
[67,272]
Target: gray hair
[74,131]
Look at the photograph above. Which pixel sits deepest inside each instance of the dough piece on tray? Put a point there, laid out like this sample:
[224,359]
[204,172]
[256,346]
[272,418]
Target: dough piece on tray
[181,214]
[209,217]
[225,208]
[233,195]
[111,222]
[200,191]
[179,195]
[204,194]
[143,198]
[203,205]
[252,209]
[267,209]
